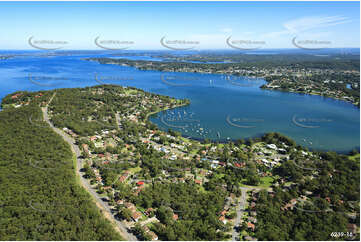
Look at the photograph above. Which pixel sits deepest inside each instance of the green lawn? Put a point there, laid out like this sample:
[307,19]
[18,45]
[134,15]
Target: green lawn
[201,189]
[130,91]
[266,181]
[219,175]
[355,157]
[220,146]
[135,169]
[244,233]
[258,144]
[193,152]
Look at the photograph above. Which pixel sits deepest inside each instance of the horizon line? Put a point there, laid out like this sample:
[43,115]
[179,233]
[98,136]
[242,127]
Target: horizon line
[215,49]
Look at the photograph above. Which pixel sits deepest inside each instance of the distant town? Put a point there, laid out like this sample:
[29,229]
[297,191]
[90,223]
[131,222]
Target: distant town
[300,74]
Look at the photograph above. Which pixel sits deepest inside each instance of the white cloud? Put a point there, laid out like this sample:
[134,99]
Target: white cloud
[226,30]
[308,23]
[301,25]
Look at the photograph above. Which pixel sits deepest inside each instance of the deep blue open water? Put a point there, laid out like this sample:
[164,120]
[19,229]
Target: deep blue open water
[222,107]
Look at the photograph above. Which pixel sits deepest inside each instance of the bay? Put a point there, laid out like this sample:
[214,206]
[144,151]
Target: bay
[222,107]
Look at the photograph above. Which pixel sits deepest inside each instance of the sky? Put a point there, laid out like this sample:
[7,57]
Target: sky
[197,25]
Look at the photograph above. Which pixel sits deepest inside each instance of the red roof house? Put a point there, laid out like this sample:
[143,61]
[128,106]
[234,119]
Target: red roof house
[251,226]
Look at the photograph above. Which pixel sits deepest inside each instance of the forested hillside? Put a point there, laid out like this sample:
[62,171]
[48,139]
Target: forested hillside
[163,186]
[40,198]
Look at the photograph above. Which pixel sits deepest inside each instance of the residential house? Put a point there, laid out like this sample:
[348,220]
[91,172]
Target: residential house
[131,207]
[272,146]
[253,213]
[223,219]
[153,235]
[86,149]
[253,205]
[352,228]
[249,238]
[124,177]
[252,219]
[136,216]
[148,211]
[251,226]
[290,205]
[120,201]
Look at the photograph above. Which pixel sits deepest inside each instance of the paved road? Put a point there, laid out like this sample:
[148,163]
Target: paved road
[117,119]
[84,182]
[240,211]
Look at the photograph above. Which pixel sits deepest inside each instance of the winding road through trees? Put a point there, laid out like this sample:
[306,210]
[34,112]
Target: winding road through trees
[103,206]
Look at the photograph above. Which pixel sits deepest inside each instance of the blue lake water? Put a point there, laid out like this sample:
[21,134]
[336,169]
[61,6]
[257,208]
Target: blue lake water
[221,108]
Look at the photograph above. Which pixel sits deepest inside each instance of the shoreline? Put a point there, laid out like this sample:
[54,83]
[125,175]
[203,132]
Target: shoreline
[200,72]
[312,94]
[155,112]
[225,141]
